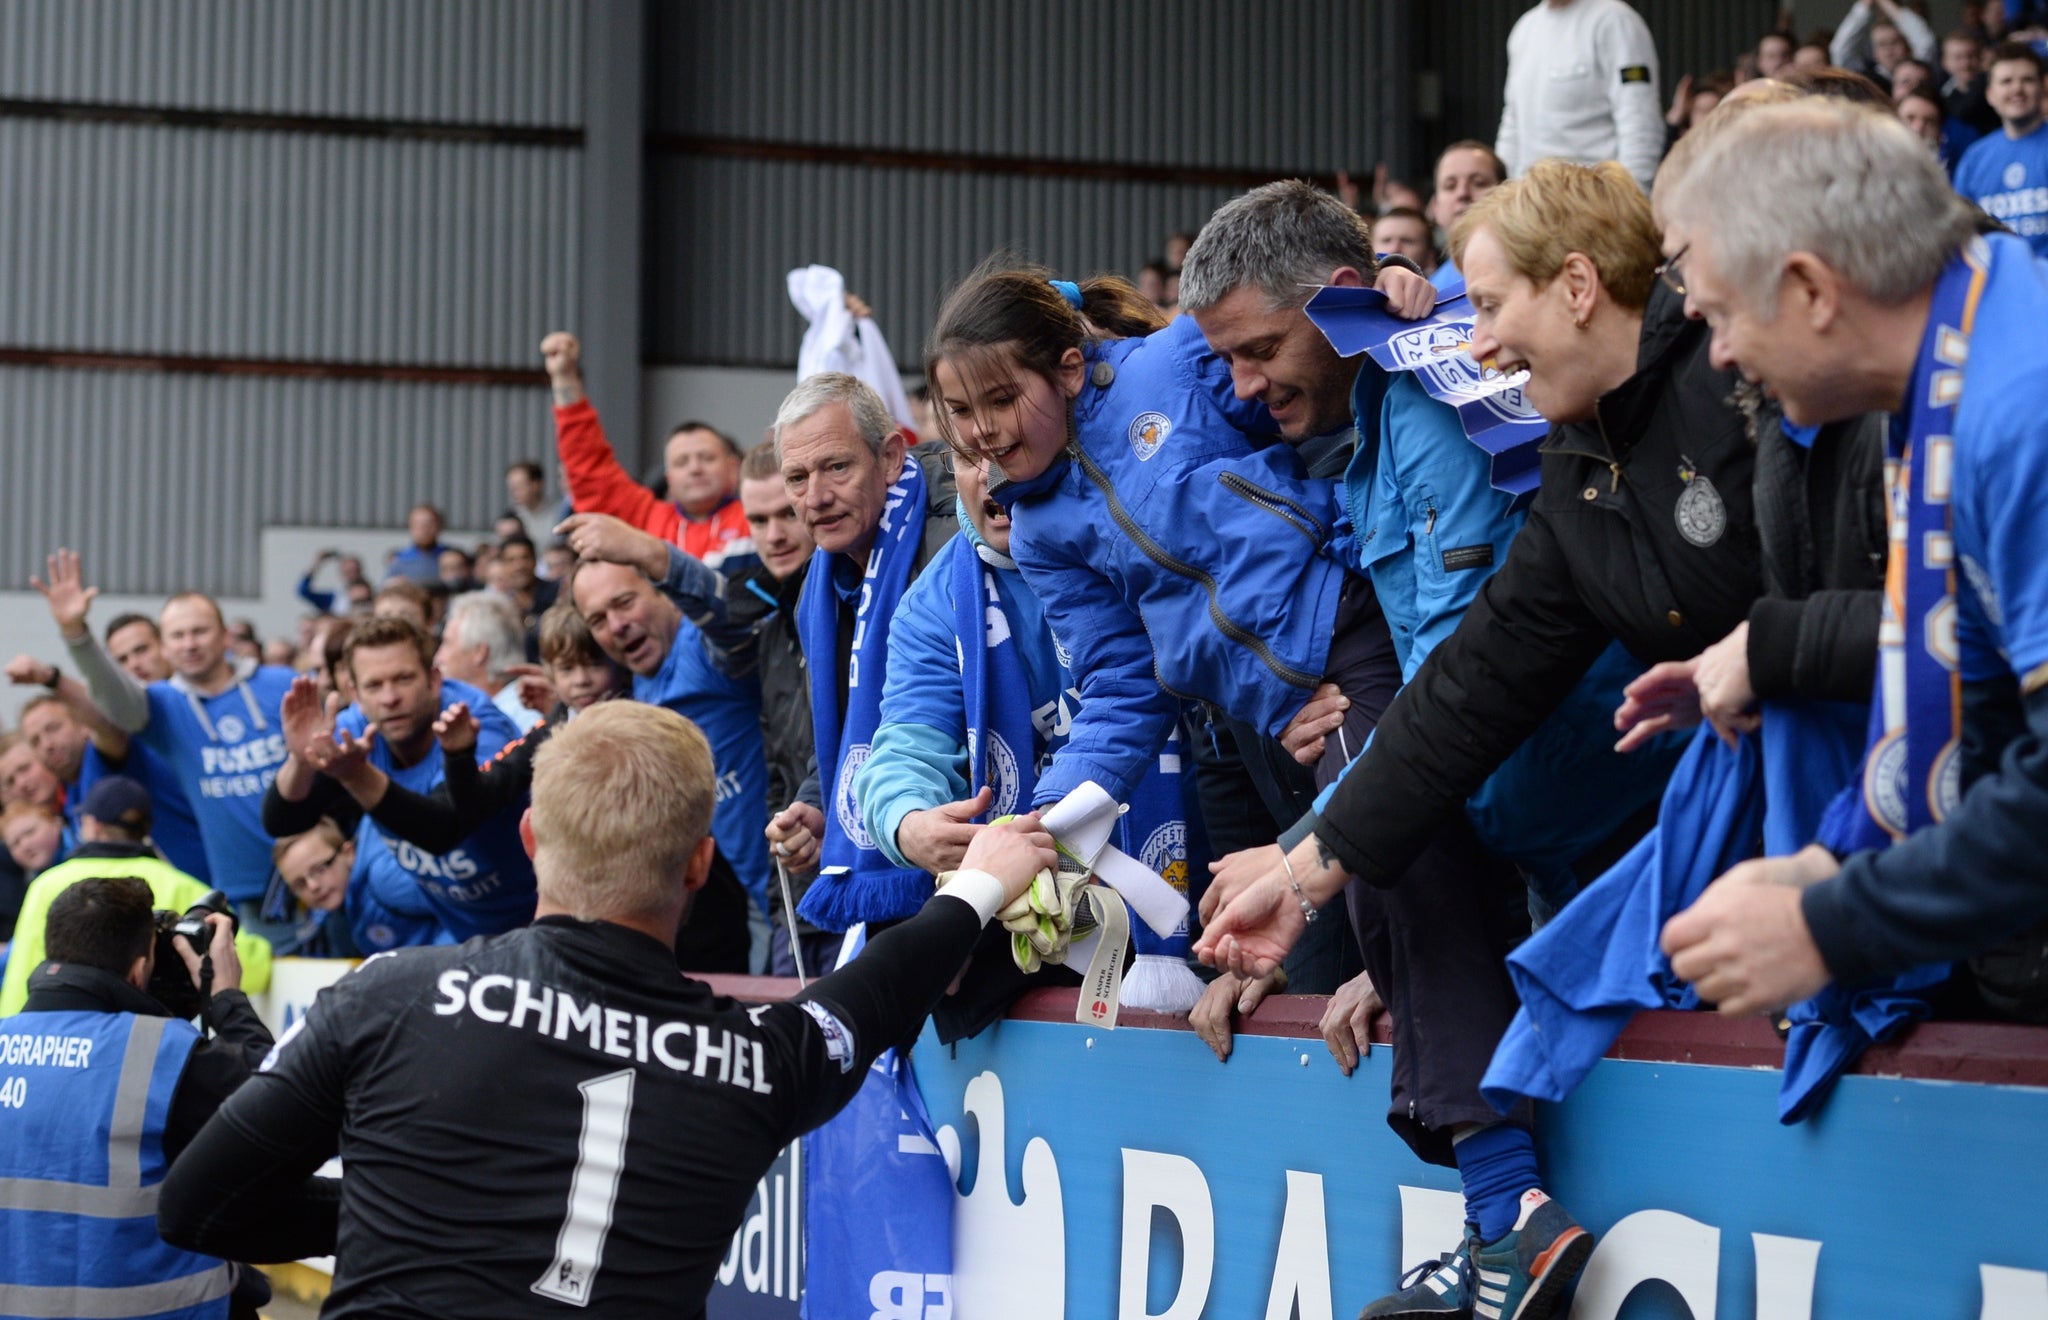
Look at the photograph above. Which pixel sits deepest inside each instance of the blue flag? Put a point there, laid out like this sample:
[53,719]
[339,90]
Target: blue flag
[1496,414]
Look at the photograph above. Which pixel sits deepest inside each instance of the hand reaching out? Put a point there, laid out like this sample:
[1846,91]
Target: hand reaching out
[936,838]
[457,730]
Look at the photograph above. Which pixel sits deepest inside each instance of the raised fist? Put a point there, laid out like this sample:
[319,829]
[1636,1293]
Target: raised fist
[561,354]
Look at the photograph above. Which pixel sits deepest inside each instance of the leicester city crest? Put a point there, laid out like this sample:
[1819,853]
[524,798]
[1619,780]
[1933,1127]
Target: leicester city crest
[999,771]
[1148,432]
[843,805]
[1701,515]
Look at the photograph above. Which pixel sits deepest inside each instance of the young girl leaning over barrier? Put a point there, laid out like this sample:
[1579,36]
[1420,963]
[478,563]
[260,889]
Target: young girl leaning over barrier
[1179,546]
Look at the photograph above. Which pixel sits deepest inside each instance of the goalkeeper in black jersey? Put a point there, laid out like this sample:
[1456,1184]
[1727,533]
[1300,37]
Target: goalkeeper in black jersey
[556,1117]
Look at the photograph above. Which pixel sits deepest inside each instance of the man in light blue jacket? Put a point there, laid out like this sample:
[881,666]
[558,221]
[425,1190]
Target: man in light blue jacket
[1429,529]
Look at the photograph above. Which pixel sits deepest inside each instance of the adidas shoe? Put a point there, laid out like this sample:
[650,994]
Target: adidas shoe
[1434,1288]
[1524,1273]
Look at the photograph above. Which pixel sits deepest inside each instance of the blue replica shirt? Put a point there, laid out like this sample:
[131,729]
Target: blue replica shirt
[484,886]
[224,751]
[2001,479]
[728,710]
[384,909]
[173,827]
[2008,177]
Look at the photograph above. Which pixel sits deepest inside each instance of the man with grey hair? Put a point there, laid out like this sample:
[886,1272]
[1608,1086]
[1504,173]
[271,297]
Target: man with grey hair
[878,506]
[482,644]
[1824,248]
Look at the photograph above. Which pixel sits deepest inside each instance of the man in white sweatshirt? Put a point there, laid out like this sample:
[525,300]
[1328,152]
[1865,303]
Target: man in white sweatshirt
[1582,85]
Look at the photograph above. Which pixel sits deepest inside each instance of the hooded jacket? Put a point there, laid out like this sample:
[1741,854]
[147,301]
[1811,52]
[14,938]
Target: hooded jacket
[1176,555]
[1641,532]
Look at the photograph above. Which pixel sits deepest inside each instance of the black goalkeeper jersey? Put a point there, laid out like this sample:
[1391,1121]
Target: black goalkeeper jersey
[554,1118]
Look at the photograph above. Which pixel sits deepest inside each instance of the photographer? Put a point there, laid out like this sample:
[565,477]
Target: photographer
[101,1088]
[114,840]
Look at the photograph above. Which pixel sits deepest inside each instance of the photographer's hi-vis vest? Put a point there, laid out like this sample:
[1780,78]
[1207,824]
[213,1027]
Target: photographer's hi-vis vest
[83,1102]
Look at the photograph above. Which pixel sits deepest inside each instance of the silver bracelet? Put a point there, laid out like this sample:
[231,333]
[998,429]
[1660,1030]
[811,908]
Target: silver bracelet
[1308,910]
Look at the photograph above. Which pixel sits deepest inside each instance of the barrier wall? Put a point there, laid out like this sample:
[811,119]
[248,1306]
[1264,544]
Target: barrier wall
[1129,1174]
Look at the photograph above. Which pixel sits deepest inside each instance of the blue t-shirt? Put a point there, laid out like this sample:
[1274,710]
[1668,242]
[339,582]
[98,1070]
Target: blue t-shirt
[2001,476]
[728,710]
[224,751]
[2008,177]
[173,827]
[484,886]
[384,909]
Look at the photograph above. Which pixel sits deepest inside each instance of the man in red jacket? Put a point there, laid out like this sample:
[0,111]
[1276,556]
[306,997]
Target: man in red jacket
[703,513]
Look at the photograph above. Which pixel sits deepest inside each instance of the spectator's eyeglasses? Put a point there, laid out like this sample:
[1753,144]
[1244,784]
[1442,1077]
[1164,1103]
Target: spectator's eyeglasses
[1673,277]
[320,868]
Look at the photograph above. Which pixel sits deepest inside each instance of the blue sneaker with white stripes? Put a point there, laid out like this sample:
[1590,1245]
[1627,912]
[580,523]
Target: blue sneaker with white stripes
[1524,1274]
[1433,1288]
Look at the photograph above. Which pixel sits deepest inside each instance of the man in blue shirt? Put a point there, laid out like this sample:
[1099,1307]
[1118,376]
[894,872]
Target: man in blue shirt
[214,722]
[1465,172]
[2006,172]
[420,562]
[644,630]
[482,886]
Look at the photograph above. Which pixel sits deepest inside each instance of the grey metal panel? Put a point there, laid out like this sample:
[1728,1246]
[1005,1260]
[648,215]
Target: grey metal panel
[164,481]
[133,238]
[472,61]
[1466,43]
[1281,84]
[728,231]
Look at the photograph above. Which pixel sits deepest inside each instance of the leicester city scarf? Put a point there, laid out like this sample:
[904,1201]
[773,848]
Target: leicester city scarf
[1912,774]
[1005,749]
[859,882]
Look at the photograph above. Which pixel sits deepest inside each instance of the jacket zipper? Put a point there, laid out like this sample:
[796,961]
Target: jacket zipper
[1230,628]
[1277,505]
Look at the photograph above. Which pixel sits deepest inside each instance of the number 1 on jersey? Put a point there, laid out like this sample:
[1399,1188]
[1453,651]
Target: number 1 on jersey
[593,1189]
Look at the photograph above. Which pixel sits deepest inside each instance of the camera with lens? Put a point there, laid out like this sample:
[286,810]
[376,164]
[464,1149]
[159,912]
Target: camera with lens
[170,984]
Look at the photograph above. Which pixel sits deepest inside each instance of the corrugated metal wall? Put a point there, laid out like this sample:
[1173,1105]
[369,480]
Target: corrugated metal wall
[163,480]
[1203,84]
[205,242]
[469,61]
[1466,43]
[726,232]
[290,242]
[1266,84]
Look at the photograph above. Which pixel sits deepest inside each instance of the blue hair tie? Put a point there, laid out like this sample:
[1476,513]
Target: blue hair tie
[1069,290]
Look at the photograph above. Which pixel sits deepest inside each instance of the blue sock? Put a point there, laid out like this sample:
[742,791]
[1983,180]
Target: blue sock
[1498,1164]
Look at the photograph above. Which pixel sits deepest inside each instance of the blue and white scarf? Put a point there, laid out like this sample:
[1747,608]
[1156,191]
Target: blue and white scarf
[1912,773]
[1006,748]
[859,882]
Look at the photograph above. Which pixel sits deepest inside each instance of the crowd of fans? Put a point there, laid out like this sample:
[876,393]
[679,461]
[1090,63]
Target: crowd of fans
[1163,539]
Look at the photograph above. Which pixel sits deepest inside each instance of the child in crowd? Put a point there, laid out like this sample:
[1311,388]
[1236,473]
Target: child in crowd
[33,834]
[1180,549]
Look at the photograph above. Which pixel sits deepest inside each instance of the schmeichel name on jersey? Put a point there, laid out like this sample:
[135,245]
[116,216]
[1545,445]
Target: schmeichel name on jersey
[696,1049]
